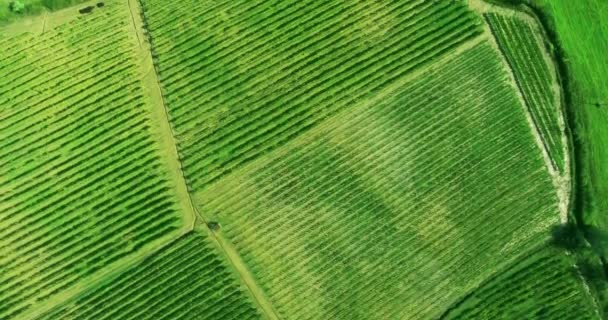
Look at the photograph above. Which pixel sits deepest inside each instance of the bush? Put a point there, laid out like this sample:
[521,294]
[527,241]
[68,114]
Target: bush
[566,236]
[17,6]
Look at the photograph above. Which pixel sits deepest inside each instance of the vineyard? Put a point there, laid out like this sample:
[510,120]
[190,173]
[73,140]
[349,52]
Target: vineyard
[282,159]
[318,220]
[542,285]
[235,91]
[523,51]
[182,281]
[81,184]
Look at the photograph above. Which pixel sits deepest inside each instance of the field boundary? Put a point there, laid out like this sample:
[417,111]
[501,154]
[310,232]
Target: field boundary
[228,250]
[163,130]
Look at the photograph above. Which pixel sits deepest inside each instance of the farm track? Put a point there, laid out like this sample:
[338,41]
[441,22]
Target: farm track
[222,243]
[84,191]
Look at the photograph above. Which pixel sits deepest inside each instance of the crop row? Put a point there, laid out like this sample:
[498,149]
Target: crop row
[392,209]
[524,53]
[184,280]
[237,94]
[83,185]
[540,285]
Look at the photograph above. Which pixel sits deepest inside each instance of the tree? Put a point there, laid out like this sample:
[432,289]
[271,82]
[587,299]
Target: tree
[566,236]
[17,6]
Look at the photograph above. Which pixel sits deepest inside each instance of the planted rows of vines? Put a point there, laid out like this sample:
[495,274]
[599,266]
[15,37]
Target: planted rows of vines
[393,209]
[524,53]
[81,185]
[185,280]
[244,77]
[543,285]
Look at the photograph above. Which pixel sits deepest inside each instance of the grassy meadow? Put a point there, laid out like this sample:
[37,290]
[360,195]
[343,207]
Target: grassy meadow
[582,29]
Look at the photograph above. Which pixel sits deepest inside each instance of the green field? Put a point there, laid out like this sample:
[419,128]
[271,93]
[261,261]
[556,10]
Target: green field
[518,41]
[333,203]
[582,28]
[82,184]
[185,280]
[282,159]
[238,91]
[541,285]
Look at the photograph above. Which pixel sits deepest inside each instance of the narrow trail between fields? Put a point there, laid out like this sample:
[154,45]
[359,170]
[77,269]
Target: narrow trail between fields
[160,118]
[229,251]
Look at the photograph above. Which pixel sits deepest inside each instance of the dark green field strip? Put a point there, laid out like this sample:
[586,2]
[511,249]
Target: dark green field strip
[523,52]
[82,184]
[393,210]
[542,285]
[236,90]
[185,280]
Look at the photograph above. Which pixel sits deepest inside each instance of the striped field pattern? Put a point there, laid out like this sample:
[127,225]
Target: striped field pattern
[523,51]
[542,285]
[81,184]
[242,77]
[185,280]
[353,160]
[397,207]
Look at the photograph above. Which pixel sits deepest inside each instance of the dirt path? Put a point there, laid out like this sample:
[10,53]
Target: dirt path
[562,183]
[161,125]
[166,131]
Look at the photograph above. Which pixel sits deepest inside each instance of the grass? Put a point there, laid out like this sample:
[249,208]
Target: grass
[582,28]
[32,8]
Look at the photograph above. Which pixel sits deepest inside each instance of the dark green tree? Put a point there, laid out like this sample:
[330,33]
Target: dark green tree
[17,6]
[566,236]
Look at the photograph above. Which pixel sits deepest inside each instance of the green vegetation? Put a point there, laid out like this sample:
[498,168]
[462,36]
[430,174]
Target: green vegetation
[185,280]
[395,207]
[17,6]
[542,285]
[11,10]
[235,91]
[581,28]
[81,182]
[534,78]
[284,159]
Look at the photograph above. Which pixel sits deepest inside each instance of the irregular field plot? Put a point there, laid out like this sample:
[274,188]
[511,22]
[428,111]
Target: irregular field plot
[81,184]
[243,77]
[524,53]
[397,207]
[542,285]
[185,280]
